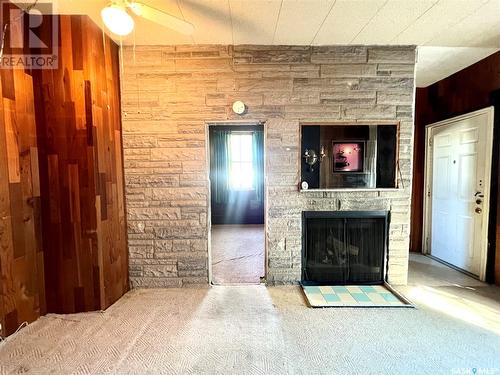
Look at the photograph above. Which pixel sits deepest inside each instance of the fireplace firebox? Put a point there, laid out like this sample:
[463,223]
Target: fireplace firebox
[344,247]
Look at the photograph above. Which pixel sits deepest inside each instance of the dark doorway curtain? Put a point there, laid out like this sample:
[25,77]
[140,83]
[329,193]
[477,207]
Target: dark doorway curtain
[219,165]
[258,164]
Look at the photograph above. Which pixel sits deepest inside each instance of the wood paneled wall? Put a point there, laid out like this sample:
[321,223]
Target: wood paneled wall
[21,258]
[62,131]
[81,172]
[466,91]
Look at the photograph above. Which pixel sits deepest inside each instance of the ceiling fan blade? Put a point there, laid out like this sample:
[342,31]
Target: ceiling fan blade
[161,18]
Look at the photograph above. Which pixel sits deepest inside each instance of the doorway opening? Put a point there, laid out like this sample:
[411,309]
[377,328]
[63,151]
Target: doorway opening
[457,196]
[237,203]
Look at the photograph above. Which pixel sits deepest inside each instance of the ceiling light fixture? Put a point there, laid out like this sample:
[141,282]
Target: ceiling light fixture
[117,20]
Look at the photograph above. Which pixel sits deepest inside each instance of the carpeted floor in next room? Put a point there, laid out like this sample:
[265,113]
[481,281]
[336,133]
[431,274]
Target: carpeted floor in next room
[257,330]
[237,254]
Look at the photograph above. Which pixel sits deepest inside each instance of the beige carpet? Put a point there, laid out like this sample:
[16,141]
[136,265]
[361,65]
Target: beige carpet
[237,254]
[247,330]
[258,330]
[220,330]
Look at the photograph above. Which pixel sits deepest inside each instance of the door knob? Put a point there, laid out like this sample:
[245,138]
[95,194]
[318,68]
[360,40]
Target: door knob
[479,194]
[478,210]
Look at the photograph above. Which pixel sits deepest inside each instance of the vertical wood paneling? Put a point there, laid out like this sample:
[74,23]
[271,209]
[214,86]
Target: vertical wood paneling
[79,142]
[62,220]
[22,295]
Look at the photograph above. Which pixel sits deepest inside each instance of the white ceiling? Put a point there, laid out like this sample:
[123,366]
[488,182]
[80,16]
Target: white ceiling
[436,63]
[474,24]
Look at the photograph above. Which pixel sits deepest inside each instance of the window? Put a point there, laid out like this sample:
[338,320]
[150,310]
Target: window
[241,173]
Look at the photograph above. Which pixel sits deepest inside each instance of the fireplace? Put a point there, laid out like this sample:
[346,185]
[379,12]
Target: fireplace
[344,247]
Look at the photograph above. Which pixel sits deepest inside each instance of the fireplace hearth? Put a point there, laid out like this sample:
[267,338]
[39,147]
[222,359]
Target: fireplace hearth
[344,247]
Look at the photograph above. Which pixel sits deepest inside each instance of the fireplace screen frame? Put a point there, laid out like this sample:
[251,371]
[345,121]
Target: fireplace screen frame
[385,215]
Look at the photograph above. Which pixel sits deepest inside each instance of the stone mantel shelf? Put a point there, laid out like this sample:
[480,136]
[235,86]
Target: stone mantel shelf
[346,190]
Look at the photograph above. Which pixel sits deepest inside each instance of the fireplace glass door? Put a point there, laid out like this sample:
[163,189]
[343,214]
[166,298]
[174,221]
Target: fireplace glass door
[344,250]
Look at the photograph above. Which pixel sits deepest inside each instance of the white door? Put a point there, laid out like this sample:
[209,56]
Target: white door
[459,159]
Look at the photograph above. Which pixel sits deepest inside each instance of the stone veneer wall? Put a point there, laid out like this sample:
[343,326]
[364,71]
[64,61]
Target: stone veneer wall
[169,92]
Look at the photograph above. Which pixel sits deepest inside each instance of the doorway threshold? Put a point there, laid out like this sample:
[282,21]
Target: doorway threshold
[461,270]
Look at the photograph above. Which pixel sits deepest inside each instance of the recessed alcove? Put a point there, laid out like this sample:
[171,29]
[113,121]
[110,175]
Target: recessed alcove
[349,156]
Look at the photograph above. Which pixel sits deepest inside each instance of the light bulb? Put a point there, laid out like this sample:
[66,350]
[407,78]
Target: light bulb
[117,20]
